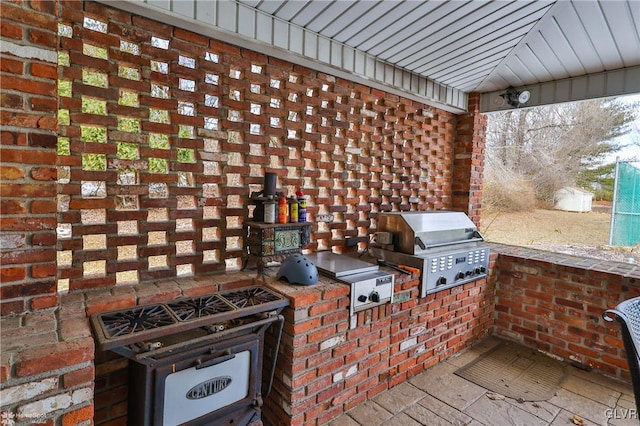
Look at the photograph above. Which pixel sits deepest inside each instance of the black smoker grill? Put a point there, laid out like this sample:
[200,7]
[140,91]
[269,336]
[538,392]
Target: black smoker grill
[196,361]
[444,245]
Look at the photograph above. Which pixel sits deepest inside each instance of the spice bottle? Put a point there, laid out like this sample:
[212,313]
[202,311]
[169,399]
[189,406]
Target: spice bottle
[302,206]
[282,210]
[293,210]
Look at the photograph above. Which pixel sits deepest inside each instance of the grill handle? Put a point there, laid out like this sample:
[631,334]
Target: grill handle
[200,363]
[451,243]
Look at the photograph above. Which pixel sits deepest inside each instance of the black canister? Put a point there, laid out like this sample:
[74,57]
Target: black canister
[270,184]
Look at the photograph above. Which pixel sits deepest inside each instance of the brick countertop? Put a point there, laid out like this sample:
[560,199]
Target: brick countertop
[624,270]
[30,338]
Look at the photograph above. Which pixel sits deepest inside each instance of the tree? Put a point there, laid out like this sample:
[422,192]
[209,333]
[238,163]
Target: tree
[552,147]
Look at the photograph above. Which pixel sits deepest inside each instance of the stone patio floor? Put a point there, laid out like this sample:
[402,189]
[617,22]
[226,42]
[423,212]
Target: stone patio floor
[439,397]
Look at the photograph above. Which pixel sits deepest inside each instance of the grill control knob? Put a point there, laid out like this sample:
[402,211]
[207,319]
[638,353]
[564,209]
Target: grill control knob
[483,270]
[460,276]
[362,298]
[468,273]
[441,281]
[476,271]
[374,296]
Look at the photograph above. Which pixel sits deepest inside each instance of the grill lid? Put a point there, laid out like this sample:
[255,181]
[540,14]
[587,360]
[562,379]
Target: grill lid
[417,232]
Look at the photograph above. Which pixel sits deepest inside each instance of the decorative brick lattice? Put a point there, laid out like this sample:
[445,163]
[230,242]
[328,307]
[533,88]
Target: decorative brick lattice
[164,134]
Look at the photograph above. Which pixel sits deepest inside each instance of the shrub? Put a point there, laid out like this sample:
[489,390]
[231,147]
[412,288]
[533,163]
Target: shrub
[506,192]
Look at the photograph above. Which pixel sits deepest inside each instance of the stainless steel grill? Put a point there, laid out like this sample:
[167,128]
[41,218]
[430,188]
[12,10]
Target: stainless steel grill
[444,245]
[196,361]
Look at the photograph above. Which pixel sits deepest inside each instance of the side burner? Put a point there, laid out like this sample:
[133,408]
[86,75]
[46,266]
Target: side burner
[147,322]
[135,320]
[188,309]
[248,297]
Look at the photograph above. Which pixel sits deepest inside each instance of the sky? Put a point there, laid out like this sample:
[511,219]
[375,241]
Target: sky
[629,151]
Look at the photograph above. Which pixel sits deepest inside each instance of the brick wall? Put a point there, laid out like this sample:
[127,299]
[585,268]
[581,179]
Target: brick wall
[28,171]
[169,132]
[163,134]
[555,302]
[46,368]
[468,161]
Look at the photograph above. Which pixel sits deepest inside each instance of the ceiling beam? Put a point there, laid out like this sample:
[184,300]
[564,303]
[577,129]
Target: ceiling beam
[620,82]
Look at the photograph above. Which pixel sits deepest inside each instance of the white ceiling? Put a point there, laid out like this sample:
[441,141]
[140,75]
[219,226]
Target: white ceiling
[439,51]
[478,46]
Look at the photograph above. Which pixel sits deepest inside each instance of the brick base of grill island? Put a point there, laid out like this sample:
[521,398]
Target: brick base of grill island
[332,361]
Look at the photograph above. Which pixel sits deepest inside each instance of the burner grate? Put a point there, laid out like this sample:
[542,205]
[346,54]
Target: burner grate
[253,296]
[135,320]
[117,329]
[189,309]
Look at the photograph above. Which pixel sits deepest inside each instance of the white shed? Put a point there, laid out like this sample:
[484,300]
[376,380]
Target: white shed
[573,200]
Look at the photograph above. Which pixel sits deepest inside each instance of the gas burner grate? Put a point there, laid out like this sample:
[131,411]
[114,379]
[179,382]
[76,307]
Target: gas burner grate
[253,296]
[117,329]
[135,320]
[199,307]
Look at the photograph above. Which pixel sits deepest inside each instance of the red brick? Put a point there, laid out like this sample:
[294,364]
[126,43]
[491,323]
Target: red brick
[79,377]
[26,85]
[323,307]
[46,6]
[34,288]
[616,361]
[43,271]
[306,326]
[43,302]
[43,104]
[11,138]
[52,357]
[78,416]
[13,274]
[305,298]
[583,351]
[44,173]
[11,172]
[44,141]
[5,372]
[11,101]
[43,206]
[44,239]
[10,30]
[43,38]
[191,37]
[11,307]
[110,304]
[28,156]
[570,303]
[39,20]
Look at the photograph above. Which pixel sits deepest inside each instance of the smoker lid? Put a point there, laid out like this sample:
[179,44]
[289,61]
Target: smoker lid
[420,222]
[416,232]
